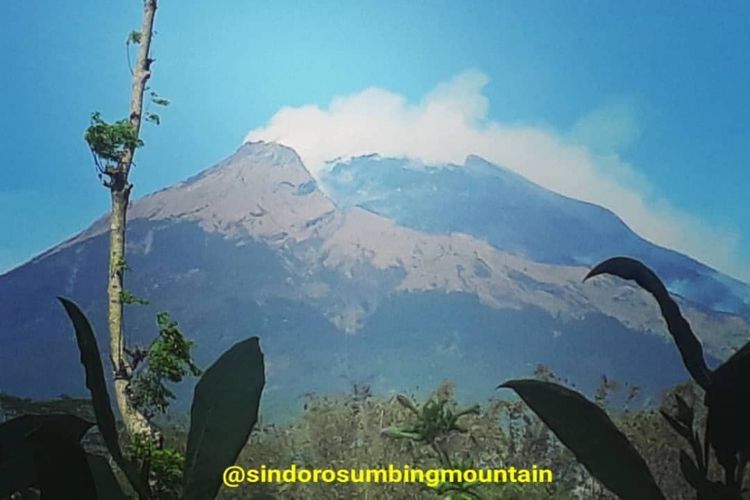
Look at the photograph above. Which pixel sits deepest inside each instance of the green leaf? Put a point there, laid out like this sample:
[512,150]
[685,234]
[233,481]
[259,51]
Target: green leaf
[223,413]
[153,118]
[104,479]
[688,344]
[168,360]
[109,142]
[159,101]
[134,37]
[407,403]
[588,432]
[92,364]
[129,298]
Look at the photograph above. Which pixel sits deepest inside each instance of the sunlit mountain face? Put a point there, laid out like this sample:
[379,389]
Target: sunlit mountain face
[386,272]
[517,216]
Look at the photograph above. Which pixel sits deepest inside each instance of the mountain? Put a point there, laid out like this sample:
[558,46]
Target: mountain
[517,216]
[349,287]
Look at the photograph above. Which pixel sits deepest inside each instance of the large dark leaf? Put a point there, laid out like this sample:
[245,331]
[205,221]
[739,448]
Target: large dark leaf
[61,467]
[589,433]
[690,471]
[727,388]
[689,346]
[14,432]
[705,488]
[17,472]
[728,402]
[224,411]
[107,486]
[678,426]
[44,451]
[92,363]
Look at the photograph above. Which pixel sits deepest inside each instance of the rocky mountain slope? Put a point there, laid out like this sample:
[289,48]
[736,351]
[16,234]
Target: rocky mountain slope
[514,215]
[353,289]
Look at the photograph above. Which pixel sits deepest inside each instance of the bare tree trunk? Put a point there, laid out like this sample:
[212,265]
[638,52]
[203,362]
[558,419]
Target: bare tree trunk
[120,188]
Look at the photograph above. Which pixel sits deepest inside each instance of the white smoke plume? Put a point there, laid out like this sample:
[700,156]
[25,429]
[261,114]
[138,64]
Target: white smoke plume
[451,122]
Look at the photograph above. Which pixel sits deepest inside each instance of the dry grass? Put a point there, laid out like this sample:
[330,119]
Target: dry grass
[345,432]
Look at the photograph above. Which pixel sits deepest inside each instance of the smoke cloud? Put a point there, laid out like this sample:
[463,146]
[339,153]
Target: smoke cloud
[451,122]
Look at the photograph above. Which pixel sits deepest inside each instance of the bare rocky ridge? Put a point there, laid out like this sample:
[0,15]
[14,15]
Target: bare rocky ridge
[255,192]
[461,263]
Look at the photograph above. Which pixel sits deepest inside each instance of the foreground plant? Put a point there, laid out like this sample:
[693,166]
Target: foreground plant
[37,451]
[435,421]
[597,443]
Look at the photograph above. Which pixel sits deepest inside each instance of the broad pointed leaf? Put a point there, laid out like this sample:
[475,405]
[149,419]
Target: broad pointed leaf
[685,413]
[44,451]
[705,488]
[688,344]
[588,432]
[107,486]
[17,473]
[17,470]
[14,432]
[678,426]
[92,363]
[224,411]
[690,471]
[728,401]
[61,467]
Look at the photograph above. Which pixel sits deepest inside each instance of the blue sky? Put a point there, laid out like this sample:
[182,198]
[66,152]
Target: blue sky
[649,95]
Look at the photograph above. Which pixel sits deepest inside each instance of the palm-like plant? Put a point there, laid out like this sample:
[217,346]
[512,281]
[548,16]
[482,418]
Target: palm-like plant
[604,450]
[44,452]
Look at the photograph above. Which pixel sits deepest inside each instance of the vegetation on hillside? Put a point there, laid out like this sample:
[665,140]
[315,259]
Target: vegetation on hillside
[346,431]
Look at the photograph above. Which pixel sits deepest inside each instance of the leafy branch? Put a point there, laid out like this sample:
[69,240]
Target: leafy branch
[167,359]
[128,298]
[109,143]
[435,421]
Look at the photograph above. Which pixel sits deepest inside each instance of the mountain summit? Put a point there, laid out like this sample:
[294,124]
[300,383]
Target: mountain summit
[396,274]
[263,190]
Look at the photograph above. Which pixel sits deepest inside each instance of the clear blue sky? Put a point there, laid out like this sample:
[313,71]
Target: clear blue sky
[227,66]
